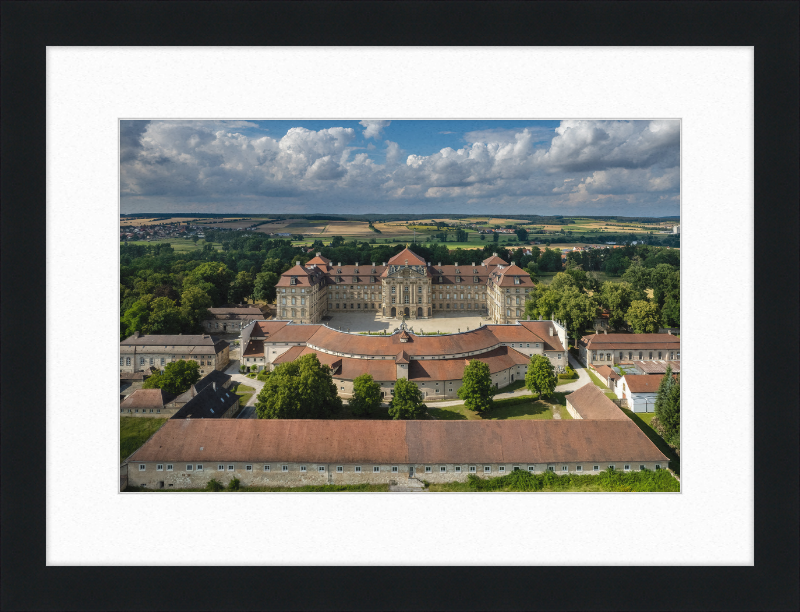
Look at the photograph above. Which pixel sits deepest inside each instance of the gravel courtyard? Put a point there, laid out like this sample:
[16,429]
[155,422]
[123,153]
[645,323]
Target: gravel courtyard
[374,322]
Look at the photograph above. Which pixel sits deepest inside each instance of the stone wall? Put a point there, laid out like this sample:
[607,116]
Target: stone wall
[179,477]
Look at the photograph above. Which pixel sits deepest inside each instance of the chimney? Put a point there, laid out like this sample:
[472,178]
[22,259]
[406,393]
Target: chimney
[384,264]
[605,332]
[214,386]
[297,263]
[356,264]
[339,264]
[669,331]
[494,254]
[319,254]
[551,331]
[456,264]
[440,264]
[473,264]
[373,264]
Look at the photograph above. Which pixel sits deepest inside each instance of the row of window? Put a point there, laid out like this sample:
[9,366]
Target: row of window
[607,356]
[158,410]
[487,469]
[154,361]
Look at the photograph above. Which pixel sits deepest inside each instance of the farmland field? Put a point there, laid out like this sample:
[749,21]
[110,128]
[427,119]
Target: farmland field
[124,222]
[181,245]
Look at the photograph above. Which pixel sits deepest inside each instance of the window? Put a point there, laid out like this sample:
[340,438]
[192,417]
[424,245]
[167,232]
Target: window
[442,468]
[230,468]
[564,468]
[611,467]
[501,469]
[596,468]
[394,469]
[220,468]
[266,468]
[427,469]
[487,469]
[199,467]
[302,468]
[160,467]
[551,468]
[579,468]
[141,360]
[141,467]
[248,468]
[189,467]
[515,468]
[340,468]
[358,469]
[658,466]
[641,467]
[530,468]
[472,469]
[620,356]
[651,355]
[458,469]
[321,468]
[127,361]
[169,467]
[121,361]
[284,468]
[627,467]
[376,468]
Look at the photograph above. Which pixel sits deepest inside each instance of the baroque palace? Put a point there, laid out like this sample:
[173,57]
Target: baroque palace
[406,286]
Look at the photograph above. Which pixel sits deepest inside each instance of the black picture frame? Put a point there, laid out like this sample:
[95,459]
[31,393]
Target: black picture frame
[771,27]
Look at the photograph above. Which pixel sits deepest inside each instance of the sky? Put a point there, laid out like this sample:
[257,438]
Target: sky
[567,167]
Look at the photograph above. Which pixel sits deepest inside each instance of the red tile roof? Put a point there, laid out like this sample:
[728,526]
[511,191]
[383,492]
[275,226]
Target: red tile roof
[642,383]
[266,329]
[403,442]
[592,404]
[503,358]
[407,254]
[494,260]
[630,342]
[255,348]
[147,398]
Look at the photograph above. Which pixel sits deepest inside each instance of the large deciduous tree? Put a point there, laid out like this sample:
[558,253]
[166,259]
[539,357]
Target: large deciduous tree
[407,402]
[577,310]
[643,317]
[264,287]
[300,389]
[165,317]
[477,389]
[617,299]
[213,277]
[241,288]
[671,312]
[540,377]
[176,377]
[366,396]
[194,308]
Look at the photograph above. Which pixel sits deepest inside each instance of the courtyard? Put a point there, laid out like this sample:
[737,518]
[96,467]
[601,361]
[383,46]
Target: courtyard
[374,322]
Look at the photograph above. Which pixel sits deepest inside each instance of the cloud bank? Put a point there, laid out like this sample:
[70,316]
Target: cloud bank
[583,167]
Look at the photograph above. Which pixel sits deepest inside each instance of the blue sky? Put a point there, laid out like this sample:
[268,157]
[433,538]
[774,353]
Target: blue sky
[472,166]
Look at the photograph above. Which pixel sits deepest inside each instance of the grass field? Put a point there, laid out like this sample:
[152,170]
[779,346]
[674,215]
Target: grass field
[181,245]
[362,488]
[513,408]
[596,379]
[642,420]
[134,431]
[244,392]
[610,481]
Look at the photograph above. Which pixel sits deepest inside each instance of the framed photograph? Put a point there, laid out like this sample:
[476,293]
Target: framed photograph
[241,143]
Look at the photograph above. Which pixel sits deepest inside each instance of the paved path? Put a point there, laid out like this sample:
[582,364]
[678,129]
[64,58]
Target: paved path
[249,411]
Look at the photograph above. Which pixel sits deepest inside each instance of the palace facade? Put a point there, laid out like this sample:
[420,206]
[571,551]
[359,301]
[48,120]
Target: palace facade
[406,285]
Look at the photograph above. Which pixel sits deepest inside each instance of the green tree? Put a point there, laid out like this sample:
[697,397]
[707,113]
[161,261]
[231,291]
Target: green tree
[495,237]
[671,312]
[136,317]
[577,310]
[522,234]
[547,303]
[337,241]
[194,308]
[668,408]
[176,377]
[300,389]
[195,238]
[264,287]
[214,278]
[271,264]
[477,389]
[637,276]
[165,317]
[241,288]
[407,401]
[483,236]
[540,377]
[617,299]
[366,395]
[643,317]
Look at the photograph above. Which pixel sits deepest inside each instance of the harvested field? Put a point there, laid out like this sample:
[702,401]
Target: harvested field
[350,228]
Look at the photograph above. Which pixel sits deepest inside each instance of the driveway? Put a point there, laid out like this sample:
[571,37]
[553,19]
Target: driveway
[249,411]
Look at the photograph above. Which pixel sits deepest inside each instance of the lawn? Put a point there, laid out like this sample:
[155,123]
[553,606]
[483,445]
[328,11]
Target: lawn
[134,431]
[607,481]
[379,414]
[513,408]
[245,393]
[642,420]
[595,379]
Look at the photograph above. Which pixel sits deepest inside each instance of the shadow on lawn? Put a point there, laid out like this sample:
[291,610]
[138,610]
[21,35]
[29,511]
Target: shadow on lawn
[674,459]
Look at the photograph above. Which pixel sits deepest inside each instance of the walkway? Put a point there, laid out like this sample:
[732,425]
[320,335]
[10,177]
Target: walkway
[249,411]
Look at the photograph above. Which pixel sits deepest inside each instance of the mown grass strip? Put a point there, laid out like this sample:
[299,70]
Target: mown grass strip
[134,431]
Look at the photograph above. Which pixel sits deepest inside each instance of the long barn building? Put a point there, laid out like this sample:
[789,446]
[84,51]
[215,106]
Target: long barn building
[189,453]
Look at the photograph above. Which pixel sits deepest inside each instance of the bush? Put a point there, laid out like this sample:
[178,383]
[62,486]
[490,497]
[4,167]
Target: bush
[242,368]
[233,485]
[214,485]
[570,374]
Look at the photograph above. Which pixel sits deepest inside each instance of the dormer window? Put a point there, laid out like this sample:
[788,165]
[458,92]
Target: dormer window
[293,280]
[441,279]
[475,279]
[373,270]
[516,280]
[339,271]
[458,271]
[355,271]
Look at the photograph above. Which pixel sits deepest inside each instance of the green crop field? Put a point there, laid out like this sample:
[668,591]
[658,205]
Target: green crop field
[181,245]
